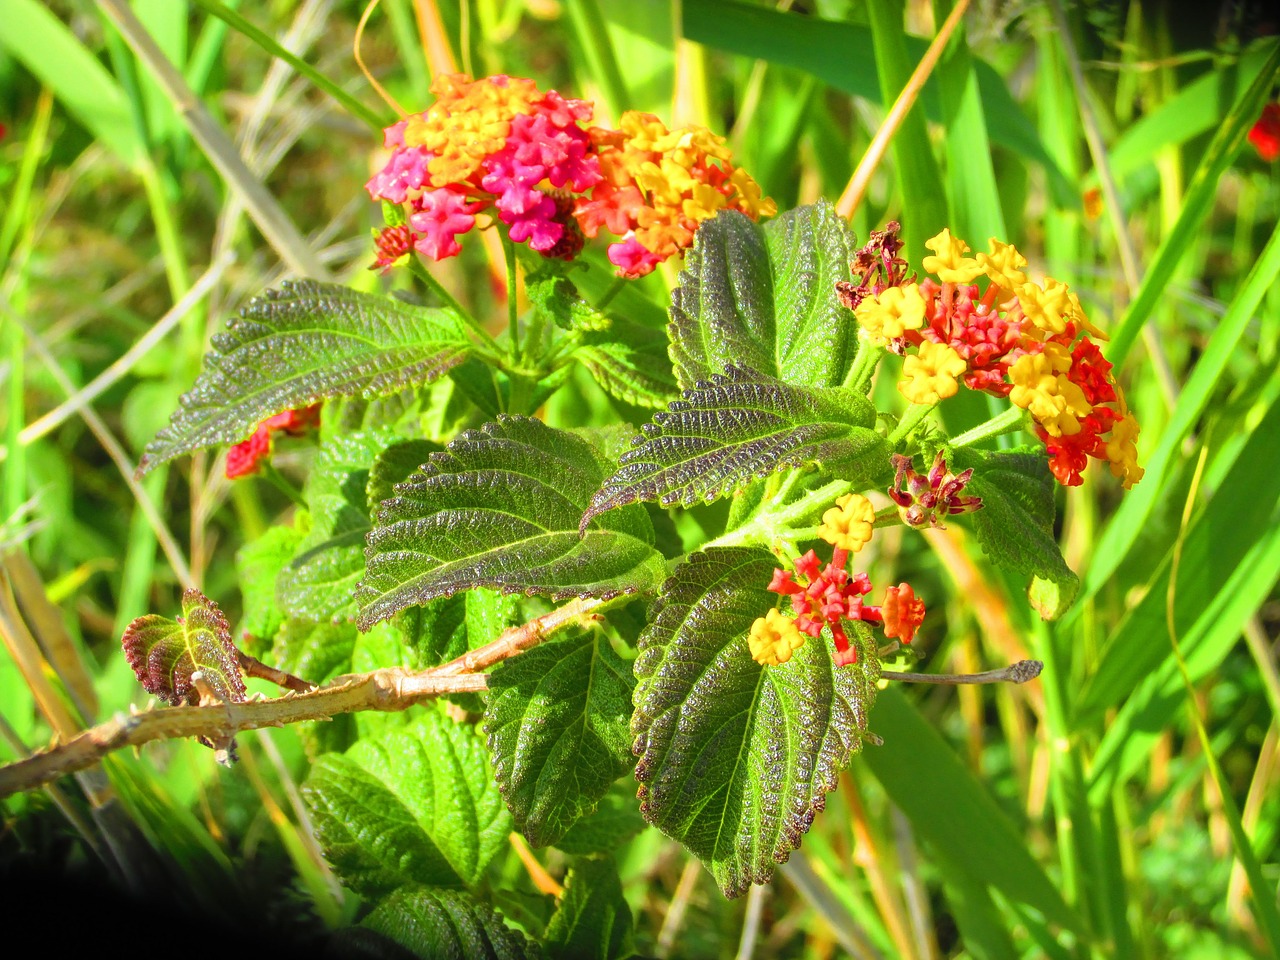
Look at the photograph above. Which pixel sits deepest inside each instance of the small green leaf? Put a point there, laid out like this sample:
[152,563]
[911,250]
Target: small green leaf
[416,805]
[736,758]
[764,297]
[258,564]
[500,508]
[394,465]
[299,345]
[734,428]
[630,363]
[1015,524]
[558,300]
[165,653]
[447,925]
[593,921]
[558,719]
[615,821]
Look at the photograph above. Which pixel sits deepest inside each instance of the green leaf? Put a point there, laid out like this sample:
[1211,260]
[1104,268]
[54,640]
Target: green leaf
[736,758]
[593,921]
[557,299]
[416,805]
[764,297]
[630,363]
[615,821]
[736,427]
[500,508]
[319,652]
[1015,524]
[319,582]
[258,564]
[447,925]
[165,653]
[393,465]
[299,345]
[558,719]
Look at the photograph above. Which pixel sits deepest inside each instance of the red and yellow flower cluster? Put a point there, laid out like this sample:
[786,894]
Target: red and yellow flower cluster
[1015,338]
[824,597]
[501,146]
[244,457]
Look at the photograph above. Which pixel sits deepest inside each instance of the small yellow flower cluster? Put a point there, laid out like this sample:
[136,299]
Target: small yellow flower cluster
[848,524]
[931,373]
[774,638]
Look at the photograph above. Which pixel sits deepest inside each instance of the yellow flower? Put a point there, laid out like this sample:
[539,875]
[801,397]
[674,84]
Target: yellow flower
[1041,385]
[931,374]
[951,265]
[847,525]
[774,638]
[892,313]
[1122,451]
[1003,265]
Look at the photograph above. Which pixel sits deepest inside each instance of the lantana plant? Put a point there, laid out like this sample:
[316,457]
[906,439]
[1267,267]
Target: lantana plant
[484,488]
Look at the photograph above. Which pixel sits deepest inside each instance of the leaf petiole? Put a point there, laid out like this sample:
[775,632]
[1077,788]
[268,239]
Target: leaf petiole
[1007,422]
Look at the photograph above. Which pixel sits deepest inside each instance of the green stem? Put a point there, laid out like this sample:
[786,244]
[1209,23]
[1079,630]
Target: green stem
[419,270]
[910,420]
[864,365]
[772,527]
[238,22]
[616,288]
[1007,422]
[513,321]
[281,483]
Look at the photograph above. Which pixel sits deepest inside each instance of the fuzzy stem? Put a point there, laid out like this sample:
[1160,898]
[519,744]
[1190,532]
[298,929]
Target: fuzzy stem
[513,320]
[910,420]
[864,365]
[1019,672]
[1007,422]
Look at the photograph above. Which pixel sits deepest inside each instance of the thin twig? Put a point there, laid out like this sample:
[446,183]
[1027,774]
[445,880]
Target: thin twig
[544,881]
[852,196]
[1019,672]
[253,667]
[674,919]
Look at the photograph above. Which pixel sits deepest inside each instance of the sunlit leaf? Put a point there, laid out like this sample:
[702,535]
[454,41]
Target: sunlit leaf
[764,297]
[734,428]
[593,921]
[630,363]
[736,758]
[416,805]
[435,924]
[297,346]
[558,719]
[165,653]
[500,508]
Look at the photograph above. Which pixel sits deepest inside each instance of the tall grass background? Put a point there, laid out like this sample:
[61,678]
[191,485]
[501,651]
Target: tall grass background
[164,161]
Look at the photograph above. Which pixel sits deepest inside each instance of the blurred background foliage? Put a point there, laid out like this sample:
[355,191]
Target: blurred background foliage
[1135,784]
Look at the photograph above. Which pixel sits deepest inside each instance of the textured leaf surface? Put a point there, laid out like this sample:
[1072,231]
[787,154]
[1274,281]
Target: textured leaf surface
[734,428]
[593,921]
[320,581]
[500,508]
[1015,524]
[416,805]
[394,465]
[165,653]
[447,925]
[736,758]
[630,363]
[258,564]
[764,297]
[299,345]
[559,725]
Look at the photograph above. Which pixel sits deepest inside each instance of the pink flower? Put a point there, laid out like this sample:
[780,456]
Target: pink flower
[441,215]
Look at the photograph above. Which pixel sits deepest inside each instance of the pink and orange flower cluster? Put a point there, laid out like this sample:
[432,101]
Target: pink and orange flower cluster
[500,146]
[1010,337]
[823,597]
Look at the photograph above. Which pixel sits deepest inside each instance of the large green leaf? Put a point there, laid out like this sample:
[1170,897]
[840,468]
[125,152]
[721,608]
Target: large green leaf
[416,805]
[764,297]
[299,345]
[739,426]
[446,925]
[558,719]
[319,582]
[1015,524]
[593,921]
[165,653]
[736,758]
[630,363]
[500,508]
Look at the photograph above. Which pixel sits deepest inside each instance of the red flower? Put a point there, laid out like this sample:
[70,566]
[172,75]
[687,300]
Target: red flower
[1265,135]
[244,457]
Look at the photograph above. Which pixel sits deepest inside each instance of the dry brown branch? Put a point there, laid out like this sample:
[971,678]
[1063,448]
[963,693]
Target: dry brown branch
[389,689]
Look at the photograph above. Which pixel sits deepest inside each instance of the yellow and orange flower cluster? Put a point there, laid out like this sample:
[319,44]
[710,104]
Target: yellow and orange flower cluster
[1010,336]
[824,597]
[500,146]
